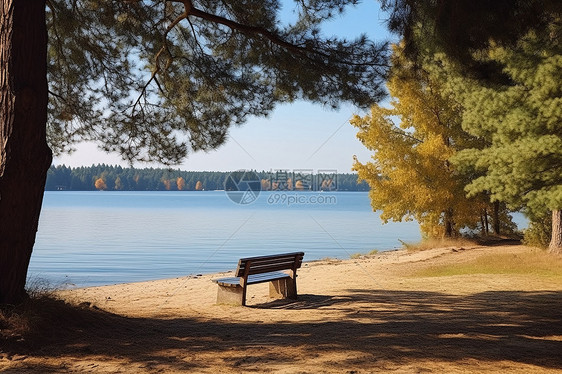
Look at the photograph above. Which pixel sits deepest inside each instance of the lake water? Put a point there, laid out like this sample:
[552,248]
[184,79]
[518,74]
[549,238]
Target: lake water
[99,238]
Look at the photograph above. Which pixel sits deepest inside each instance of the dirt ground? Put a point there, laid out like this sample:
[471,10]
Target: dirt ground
[355,316]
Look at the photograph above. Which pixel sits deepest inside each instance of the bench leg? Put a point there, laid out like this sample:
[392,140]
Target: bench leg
[283,289]
[231,295]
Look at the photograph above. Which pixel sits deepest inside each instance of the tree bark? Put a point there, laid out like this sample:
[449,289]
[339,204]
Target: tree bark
[485,222]
[556,240]
[24,154]
[496,220]
[449,223]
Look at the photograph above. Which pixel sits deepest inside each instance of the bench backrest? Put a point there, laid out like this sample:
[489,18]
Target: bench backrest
[266,264]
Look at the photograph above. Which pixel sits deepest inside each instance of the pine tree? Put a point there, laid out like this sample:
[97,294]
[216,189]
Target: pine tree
[152,80]
[522,165]
[461,27]
[506,72]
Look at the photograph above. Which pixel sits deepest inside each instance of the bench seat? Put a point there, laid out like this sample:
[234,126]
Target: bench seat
[252,279]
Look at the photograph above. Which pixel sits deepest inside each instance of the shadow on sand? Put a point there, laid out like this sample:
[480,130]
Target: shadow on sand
[401,326]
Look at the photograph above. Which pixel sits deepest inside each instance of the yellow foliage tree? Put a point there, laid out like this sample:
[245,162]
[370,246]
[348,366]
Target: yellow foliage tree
[167,184]
[198,186]
[265,185]
[327,184]
[410,174]
[289,184]
[100,184]
[180,182]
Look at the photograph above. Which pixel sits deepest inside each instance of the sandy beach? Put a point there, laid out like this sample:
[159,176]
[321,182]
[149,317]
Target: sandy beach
[374,314]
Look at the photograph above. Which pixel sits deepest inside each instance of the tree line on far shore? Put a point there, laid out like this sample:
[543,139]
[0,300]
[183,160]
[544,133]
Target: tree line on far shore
[117,178]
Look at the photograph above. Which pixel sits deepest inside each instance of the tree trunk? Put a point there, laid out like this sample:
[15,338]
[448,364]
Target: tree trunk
[486,225]
[496,219]
[449,223]
[24,154]
[556,241]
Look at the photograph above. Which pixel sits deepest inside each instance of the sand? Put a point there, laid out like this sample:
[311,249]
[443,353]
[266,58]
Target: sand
[363,315]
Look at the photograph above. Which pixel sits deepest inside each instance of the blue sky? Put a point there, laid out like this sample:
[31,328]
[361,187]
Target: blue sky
[299,135]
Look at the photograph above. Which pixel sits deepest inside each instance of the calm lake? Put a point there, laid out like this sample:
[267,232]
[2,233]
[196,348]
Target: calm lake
[99,238]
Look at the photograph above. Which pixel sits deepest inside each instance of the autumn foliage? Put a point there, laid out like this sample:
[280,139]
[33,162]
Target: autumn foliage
[167,184]
[412,141]
[100,184]
[180,182]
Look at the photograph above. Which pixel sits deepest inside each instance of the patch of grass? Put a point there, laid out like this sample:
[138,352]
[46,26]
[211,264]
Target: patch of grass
[37,318]
[19,320]
[329,260]
[437,243]
[536,263]
[356,256]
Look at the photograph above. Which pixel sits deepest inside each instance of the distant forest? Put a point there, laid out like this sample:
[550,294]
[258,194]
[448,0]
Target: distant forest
[117,178]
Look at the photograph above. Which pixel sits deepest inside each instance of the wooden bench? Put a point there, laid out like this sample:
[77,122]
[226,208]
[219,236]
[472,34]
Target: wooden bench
[253,270]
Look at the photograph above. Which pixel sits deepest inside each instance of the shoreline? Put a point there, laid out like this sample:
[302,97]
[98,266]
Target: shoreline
[64,285]
[222,273]
[393,257]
